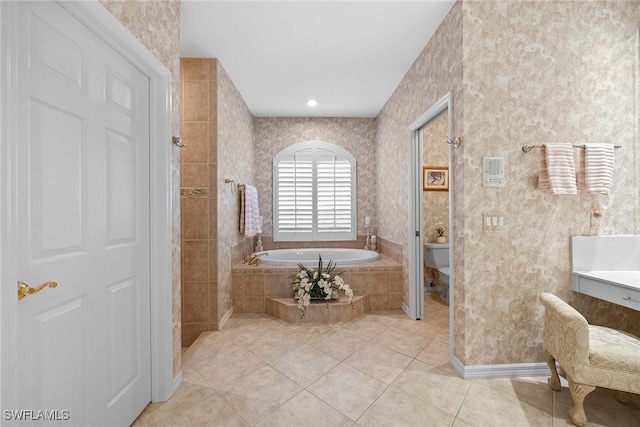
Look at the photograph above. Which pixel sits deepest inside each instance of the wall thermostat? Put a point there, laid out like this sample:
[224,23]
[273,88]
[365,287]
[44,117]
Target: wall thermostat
[493,172]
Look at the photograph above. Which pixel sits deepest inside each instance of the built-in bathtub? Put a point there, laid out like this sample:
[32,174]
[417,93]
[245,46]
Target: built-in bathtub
[255,287]
[310,256]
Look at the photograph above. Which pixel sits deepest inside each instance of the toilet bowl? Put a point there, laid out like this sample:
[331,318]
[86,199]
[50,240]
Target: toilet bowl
[443,273]
[436,259]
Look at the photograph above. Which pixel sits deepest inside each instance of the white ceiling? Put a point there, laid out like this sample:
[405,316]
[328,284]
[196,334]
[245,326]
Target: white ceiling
[348,55]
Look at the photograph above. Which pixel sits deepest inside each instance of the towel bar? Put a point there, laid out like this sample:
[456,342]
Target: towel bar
[527,148]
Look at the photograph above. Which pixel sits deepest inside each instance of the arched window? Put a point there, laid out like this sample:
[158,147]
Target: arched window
[314,193]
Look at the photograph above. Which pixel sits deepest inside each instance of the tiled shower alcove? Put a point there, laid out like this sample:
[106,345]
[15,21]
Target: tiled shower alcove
[268,289]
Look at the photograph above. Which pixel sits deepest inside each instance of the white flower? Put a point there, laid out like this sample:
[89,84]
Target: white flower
[319,282]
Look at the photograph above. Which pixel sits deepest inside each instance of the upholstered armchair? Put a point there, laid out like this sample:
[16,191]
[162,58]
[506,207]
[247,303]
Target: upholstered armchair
[591,356]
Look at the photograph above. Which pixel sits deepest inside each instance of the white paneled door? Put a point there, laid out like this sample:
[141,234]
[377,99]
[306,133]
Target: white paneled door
[83,198]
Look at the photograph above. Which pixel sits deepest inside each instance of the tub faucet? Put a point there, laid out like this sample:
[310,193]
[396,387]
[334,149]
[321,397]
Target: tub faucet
[255,258]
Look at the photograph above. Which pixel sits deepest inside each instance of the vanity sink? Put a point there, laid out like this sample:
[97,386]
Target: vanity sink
[608,268]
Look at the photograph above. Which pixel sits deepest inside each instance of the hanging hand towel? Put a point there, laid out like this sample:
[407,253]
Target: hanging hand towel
[543,176]
[581,182]
[560,168]
[599,162]
[242,205]
[252,220]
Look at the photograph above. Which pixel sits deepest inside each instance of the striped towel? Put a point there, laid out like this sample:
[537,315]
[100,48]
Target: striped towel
[580,170]
[598,162]
[241,221]
[252,220]
[559,172]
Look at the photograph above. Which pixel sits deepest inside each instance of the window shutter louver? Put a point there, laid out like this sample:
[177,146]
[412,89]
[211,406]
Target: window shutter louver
[295,193]
[334,193]
[314,193]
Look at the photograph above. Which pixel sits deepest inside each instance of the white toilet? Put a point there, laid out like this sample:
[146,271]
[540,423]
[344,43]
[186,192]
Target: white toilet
[436,257]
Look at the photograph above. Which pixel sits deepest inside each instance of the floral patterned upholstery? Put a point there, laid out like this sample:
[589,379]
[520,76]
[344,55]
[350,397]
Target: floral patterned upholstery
[591,356]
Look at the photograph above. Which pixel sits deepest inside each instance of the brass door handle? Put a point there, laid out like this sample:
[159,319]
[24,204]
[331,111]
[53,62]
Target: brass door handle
[25,290]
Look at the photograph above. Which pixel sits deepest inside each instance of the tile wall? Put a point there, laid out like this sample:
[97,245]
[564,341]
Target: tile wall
[198,197]
[218,130]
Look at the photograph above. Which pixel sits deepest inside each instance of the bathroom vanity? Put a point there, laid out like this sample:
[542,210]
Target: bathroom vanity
[608,268]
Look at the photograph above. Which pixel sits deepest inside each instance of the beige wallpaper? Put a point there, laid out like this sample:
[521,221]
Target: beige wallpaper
[235,162]
[157,25]
[357,135]
[531,72]
[435,152]
[436,71]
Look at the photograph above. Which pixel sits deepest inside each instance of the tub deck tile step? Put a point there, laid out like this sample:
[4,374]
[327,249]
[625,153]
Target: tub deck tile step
[318,311]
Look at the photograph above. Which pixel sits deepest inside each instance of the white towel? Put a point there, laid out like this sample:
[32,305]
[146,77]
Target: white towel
[559,168]
[252,220]
[580,173]
[598,167]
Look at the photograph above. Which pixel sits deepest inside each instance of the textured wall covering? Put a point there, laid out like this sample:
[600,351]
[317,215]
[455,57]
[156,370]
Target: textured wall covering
[435,153]
[537,72]
[235,161]
[157,25]
[357,135]
[531,72]
[436,71]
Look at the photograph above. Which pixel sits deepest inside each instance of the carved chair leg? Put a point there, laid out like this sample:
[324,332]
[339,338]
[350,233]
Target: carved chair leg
[554,380]
[578,393]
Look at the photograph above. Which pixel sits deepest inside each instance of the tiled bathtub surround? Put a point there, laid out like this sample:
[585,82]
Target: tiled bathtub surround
[334,311]
[384,246]
[253,285]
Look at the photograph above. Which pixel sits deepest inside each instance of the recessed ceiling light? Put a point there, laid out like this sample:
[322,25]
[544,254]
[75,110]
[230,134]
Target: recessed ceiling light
[312,103]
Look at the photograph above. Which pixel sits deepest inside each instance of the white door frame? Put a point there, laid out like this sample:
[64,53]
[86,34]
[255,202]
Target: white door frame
[416,250]
[111,31]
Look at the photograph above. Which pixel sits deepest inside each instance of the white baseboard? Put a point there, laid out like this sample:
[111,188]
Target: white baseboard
[406,310]
[223,321]
[176,382]
[500,371]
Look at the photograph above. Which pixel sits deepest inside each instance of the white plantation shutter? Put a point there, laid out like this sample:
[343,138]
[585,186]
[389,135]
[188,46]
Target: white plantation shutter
[314,193]
[295,194]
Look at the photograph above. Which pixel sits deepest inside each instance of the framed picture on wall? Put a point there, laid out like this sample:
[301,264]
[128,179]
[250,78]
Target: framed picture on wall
[435,178]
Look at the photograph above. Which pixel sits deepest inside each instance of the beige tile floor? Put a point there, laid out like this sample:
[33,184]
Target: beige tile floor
[380,370]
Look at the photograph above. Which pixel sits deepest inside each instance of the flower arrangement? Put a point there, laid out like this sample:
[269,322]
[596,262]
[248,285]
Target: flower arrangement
[440,229]
[318,283]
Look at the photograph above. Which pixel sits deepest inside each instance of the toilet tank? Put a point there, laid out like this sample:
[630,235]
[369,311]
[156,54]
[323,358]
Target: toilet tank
[436,255]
